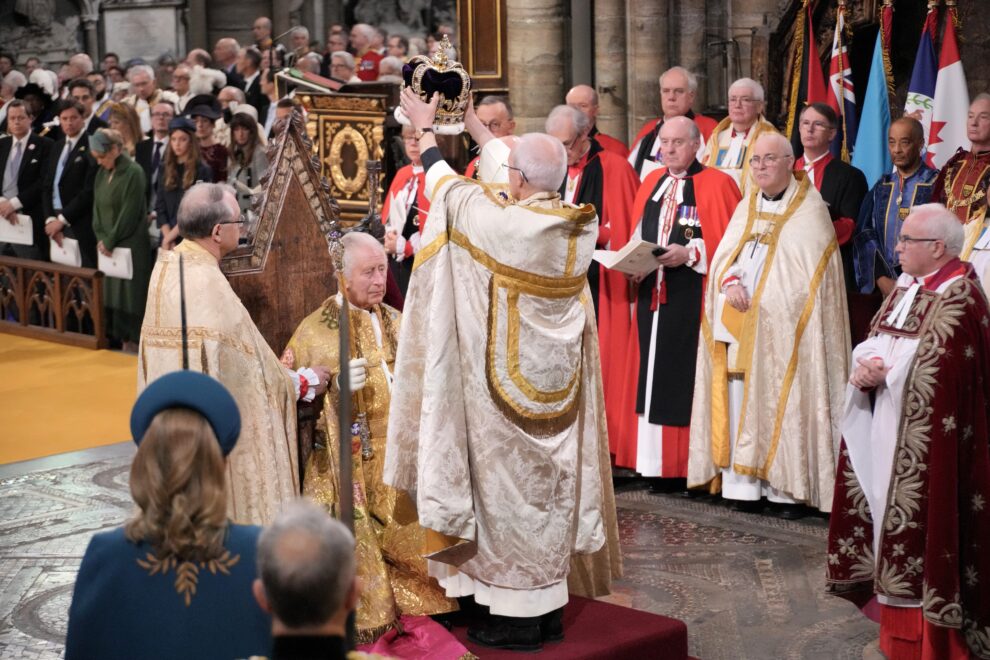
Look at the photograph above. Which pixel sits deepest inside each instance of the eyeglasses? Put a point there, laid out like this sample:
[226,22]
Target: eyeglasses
[904,238]
[768,160]
[492,125]
[239,221]
[741,100]
[521,173]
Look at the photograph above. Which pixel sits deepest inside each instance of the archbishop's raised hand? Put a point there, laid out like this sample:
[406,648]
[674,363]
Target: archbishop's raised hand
[421,115]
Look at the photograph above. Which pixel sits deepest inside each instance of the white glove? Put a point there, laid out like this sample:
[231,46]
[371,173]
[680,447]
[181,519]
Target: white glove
[358,374]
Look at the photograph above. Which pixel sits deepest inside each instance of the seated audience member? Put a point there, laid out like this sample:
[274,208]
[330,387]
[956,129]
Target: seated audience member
[367,58]
[248,161]
[307,582]
[342,66]
[397,46]
[182,168]
[283,109]
[390,69]
[175,581]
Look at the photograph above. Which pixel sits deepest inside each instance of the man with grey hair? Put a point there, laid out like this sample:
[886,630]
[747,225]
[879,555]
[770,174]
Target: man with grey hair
[299,40]
[914,470]
[342,66]
[475,412]
[731,143]
[145,93]
[776,347]
[585,99]
[223,342]
[385,522]
[678,87]
[495,113]
[390,69]
[307,581]
[362,36]
[607,182]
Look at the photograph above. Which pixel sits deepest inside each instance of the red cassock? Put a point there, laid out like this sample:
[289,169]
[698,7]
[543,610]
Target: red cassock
[611,144]
[608,182]
[716,196]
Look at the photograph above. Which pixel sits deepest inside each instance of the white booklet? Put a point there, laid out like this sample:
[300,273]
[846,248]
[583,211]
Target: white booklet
[21,232]
[68,254]
[118,264]
[636,258]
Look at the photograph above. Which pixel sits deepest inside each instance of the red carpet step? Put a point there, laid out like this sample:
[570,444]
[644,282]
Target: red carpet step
[593,629]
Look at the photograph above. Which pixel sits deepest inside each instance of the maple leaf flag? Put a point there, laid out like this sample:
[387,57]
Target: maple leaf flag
[948,130]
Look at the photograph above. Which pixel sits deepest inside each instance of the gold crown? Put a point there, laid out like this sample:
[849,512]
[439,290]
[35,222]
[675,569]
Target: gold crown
[428,76]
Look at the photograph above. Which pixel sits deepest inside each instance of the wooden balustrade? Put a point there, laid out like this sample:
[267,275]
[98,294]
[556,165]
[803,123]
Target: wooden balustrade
[52,302]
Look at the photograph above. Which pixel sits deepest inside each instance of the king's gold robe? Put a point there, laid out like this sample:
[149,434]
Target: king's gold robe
[497,419]
[263,469]
[792,353]
[390,542]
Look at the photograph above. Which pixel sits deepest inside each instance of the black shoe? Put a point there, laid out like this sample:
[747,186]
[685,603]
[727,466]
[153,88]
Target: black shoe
[507,632]
[789,511]
[746,506]
[663,485]
[552,626]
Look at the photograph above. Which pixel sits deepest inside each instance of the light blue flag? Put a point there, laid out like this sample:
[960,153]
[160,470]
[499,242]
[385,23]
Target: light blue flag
[871,155]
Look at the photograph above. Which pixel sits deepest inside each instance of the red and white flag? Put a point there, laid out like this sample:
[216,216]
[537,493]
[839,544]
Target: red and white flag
[948,131]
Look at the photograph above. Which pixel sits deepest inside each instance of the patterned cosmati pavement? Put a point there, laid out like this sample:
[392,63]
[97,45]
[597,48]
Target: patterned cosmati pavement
[748,586]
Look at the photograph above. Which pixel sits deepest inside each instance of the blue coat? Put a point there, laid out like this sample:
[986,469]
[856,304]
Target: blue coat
[127,604]
[879,224]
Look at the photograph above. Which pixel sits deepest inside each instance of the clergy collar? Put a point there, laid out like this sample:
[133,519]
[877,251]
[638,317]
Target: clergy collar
[950,269]
[775,198]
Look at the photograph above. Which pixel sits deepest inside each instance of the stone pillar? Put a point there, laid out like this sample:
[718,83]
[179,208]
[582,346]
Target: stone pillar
[646,58]
[196,26]
[280,18]
[535,39]
[686,43]
[610,75]
[90,16]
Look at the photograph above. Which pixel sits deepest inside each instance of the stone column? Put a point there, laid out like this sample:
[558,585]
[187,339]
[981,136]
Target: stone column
[686,43]
[535,40]
[610,75]
[90,16]
[646,58]
[196,26]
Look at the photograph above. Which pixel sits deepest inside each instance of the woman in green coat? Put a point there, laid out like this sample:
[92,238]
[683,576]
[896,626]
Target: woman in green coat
[120,221]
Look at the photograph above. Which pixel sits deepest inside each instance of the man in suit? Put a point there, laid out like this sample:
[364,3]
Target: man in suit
[150,155]
[23,159]
[82,91]
[225,54]
[841,185]
[249,66]
[67,199]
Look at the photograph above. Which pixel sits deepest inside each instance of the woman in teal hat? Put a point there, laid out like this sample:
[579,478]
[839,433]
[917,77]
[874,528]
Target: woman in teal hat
[120,217]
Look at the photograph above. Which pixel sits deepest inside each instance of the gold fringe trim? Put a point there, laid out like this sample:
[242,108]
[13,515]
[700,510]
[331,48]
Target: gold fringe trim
[796,67]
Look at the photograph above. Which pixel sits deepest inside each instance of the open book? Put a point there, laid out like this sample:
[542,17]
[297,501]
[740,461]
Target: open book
[636,258]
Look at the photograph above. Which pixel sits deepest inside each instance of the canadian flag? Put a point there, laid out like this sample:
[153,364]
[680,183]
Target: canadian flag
[948,131]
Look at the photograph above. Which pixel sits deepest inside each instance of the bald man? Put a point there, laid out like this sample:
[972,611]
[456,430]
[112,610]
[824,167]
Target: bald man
[225,54]
[685,208]
[678,88]
[585,99]
[771,373]
[888,204]
[475,413]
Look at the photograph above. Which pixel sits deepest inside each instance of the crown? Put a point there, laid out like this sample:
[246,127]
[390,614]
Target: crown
[428,76]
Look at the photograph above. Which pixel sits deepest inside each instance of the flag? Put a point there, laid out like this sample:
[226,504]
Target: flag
[948,131]
[871,155]
[807,79]
[841,94]
[921,91]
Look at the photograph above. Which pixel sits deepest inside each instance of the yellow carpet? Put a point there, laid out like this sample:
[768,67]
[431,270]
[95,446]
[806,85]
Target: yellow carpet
[56,398]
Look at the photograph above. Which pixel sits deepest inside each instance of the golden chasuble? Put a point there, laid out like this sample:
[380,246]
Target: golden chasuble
[390,541]
[793,354]
[263,469]
[497,406]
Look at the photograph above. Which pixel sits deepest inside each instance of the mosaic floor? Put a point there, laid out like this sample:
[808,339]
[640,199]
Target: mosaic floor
[748,586]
